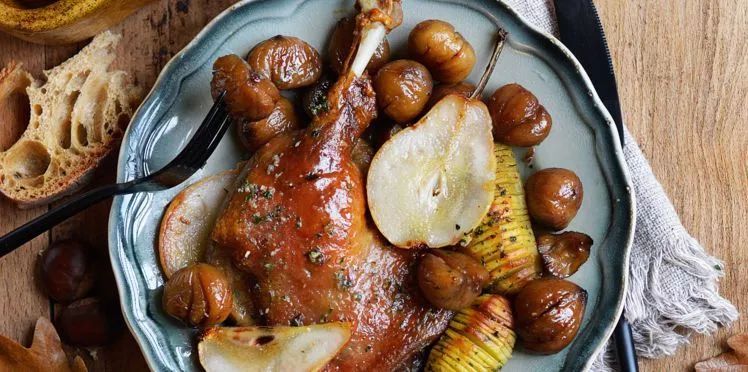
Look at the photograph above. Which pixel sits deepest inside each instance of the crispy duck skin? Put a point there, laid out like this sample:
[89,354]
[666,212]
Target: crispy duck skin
[298,224]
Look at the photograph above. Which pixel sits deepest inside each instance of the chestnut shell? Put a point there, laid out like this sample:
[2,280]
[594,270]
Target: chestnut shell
[67,271]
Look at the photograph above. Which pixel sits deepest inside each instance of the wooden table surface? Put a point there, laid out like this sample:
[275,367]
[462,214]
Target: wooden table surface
[682,68]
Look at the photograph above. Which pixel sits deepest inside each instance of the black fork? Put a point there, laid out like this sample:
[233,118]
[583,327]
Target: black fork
[190,159]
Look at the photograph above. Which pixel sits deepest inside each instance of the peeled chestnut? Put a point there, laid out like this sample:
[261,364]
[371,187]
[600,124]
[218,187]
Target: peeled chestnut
[88,322]
[403,88]
[548,314]
[463,89]
[249,95]
[199,295]
[340,46]
[257,133]
[450,280]
[287,61]
[564,253]
[436,44]
[554,196]
[518,118]
[67,271]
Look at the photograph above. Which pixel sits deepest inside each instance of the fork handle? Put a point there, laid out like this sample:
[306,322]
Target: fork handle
[30,230]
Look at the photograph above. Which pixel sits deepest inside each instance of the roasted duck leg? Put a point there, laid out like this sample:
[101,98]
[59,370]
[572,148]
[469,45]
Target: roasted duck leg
[297,223]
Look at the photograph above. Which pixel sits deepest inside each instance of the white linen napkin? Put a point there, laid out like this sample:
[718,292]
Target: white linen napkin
[673,282]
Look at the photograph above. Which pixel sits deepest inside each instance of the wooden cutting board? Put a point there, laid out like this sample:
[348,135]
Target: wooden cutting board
[682,70]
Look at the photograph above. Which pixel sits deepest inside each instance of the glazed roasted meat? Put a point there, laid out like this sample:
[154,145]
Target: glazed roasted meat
[298,224]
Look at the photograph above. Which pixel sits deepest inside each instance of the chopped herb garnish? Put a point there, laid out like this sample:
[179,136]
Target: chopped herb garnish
[344,281]
[316,256]
[297,321]
[315,133]
[256,218]
[269,266]
[512,239]
[298,222]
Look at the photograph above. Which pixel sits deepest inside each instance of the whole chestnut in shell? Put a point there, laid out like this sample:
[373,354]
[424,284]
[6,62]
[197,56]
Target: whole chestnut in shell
[403,88]
[554,196]
[88,322]
[67,271]
[518,118]
[548,314]
[450,280]
[199,295]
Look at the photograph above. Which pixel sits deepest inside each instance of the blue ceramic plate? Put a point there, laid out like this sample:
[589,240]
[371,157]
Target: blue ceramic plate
[583,139]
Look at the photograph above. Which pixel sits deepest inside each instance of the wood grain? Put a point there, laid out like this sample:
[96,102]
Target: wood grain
[682,68]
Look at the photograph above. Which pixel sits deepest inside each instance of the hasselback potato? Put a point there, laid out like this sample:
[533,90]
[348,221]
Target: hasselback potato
[479,338]
[504,241]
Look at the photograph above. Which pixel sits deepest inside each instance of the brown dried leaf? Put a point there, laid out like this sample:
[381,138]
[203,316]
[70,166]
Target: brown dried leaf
[44,355]
[735,360]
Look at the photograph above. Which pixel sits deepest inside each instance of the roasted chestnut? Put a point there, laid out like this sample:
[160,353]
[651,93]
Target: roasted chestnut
[450,280]
[249,95]
[403,88]
[257,133]
[436,44]
[340,46]
[554,196]
[463,89]
[563,253]
[314,99]
[287,61]
[518,118]
[67,271]
[88,322]
[199,295]
[548,313]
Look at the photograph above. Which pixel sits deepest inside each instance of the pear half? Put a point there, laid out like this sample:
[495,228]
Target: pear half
[432,183]
[280,348]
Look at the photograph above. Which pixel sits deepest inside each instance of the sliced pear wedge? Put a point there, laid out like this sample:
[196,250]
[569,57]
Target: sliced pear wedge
[279,348]
[432,183]
[188,221]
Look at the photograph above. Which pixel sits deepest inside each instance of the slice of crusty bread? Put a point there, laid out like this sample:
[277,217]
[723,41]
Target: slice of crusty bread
[77,117]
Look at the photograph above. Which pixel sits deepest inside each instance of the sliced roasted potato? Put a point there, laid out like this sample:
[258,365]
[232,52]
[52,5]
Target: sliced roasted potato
[187,222]
[479,338]
[280,348]
[432,183]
